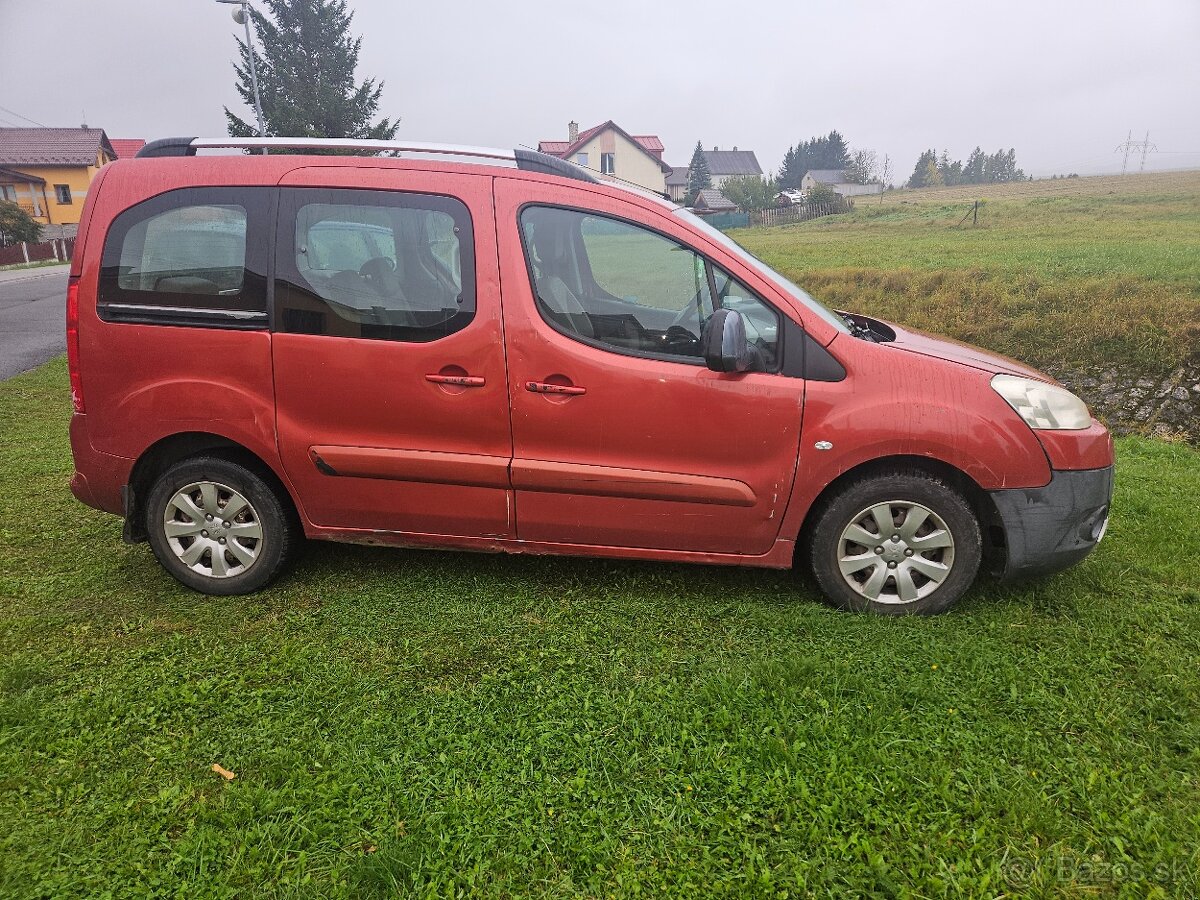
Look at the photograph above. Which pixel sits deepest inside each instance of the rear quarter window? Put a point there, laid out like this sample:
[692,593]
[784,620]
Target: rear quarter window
[195,256]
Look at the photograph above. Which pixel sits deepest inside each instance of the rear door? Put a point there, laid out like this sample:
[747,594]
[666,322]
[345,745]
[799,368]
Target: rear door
[390,383]
[621,436]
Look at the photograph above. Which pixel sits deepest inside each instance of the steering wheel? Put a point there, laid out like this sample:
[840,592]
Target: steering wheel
[376,266]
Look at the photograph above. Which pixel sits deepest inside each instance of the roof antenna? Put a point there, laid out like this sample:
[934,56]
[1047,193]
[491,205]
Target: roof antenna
[83,115]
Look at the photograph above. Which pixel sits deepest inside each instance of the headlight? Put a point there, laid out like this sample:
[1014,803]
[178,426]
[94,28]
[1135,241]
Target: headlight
[1042,405]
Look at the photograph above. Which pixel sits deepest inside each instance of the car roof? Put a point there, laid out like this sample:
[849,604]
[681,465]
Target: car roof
[520,162]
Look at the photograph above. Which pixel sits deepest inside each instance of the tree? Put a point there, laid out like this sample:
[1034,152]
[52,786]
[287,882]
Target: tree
[821,193]
[980,168]
[306,75]
[698,175]
[829,152]
[973,170]
[836,152]
[862,167]
[921,169]
[949,170]
[16,225]
[750,192]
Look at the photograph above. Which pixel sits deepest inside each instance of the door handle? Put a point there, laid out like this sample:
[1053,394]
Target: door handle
[541,387]
[459,380]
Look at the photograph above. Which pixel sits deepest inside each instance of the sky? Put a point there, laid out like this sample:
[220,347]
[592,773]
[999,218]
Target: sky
[1063,82]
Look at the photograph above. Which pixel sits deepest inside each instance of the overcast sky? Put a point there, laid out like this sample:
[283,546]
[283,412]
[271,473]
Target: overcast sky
[1062,82]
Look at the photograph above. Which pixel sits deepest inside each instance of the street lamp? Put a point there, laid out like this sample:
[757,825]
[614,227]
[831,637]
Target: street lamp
[241,15]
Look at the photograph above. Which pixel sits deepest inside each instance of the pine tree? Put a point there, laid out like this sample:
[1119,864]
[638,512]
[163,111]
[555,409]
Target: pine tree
[835,152]
[789,178]
[698,174]
[828,152]
[306,75]
[973,170]
[921,169]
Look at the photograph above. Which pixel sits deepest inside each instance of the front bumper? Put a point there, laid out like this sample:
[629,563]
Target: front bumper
[1051,528]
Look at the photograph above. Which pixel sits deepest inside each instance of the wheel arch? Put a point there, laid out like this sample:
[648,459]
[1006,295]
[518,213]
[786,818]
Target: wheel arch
[174,448]
[990,526]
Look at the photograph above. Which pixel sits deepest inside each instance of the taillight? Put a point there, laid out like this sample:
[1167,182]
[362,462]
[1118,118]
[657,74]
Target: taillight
[73,343]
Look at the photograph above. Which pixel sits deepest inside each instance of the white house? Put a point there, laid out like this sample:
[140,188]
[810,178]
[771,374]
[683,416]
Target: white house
[608,149]
[836,179]
[726,164]
[722,165]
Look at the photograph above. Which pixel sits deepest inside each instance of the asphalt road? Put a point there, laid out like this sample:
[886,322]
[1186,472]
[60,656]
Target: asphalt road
[33,308]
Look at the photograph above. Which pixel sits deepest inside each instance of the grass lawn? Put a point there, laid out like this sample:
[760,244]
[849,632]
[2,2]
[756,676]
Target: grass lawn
[445,723]
[1074,272]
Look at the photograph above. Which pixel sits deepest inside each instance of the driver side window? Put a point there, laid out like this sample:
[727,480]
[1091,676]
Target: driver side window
[610,283]
[616,284]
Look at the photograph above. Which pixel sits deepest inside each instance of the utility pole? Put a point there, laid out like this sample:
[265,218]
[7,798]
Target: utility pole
[1130,144]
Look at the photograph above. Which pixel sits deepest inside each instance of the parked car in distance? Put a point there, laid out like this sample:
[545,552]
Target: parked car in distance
[492,350]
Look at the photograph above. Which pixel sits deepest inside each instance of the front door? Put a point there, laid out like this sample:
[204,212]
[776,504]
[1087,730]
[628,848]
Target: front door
[621,436]
[390,385]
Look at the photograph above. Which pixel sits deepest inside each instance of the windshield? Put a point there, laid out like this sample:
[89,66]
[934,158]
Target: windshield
[801,296]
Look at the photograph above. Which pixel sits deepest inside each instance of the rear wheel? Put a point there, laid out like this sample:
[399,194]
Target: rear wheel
[897,544]
[218,527]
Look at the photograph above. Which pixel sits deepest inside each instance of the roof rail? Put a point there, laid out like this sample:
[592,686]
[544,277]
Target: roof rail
[529,160]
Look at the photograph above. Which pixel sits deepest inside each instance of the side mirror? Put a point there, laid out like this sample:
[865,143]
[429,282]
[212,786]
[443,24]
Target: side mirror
[723,342]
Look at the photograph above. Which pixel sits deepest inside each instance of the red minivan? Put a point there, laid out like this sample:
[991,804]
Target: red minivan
[494,350]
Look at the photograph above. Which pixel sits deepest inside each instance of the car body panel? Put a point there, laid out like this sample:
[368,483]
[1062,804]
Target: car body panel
[681,433]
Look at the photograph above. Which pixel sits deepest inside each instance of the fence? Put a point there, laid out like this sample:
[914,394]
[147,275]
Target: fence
[727,220]
[16,254]
[786,215]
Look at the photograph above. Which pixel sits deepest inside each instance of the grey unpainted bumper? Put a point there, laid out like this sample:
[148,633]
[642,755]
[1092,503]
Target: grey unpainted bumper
[1050,528]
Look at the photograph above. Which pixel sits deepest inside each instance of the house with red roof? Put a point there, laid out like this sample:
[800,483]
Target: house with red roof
[47,171]
[127,148]
[608,149]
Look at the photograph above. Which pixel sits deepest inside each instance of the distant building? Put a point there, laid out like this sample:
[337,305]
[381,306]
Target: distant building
[836,179]
[726,164]
[712,200]
[722,165]
[608,149]
[127,148]
[677,183]
[47,171]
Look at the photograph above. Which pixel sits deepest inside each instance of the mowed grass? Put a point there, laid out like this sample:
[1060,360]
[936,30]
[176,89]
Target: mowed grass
[1072,272]
[422,723]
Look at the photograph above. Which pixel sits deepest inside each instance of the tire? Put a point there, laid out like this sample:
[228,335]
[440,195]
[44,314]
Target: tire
[254,544]
[925,570]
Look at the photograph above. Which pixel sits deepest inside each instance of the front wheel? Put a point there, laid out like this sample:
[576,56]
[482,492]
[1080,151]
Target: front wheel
[218,527]
[905,543]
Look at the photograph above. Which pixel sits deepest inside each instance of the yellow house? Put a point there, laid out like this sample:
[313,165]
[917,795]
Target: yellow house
[47,171]
[608,149]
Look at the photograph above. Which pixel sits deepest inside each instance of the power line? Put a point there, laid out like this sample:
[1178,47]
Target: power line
[1130,144]
[19,116]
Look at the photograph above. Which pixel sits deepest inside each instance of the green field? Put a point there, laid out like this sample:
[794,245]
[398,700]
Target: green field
[421,723]
[1072,272]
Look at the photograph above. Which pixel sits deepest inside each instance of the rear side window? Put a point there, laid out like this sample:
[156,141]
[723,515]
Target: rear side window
[381,265]
[195,256]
